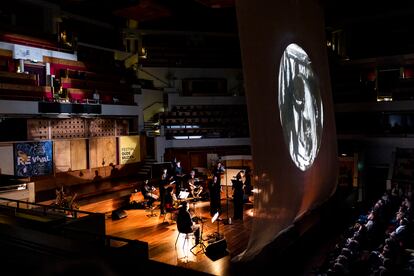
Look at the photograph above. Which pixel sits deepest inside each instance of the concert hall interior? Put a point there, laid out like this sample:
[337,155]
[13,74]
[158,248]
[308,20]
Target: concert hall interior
[206,137]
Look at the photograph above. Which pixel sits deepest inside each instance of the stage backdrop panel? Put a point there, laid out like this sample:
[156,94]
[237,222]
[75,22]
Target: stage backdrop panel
[6,159]
[129,149]
[62,155]
[290,110]
[33,158]
[70,155]
[102,151]
[78,156]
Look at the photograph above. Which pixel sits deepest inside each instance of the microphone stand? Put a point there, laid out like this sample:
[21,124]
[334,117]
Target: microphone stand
[200,241]
[228,219]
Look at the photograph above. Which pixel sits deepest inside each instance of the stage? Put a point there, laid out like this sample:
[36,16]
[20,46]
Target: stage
[161,236]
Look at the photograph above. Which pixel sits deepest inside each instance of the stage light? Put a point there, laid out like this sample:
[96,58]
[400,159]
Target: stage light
[300,106]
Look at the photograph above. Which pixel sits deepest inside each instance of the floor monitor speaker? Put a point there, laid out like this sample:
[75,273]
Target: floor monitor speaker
[118,214]
[217,248]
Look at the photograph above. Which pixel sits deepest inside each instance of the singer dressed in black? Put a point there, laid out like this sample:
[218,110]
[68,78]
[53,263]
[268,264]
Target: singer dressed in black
[238,194]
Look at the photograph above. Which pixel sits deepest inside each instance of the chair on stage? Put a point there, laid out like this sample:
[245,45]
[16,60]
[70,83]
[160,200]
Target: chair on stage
[188,235]
[185,225]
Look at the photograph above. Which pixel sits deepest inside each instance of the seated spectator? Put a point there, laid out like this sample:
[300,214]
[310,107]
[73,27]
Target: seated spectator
[370,222]
[96,96]
[401,232]
[339,269]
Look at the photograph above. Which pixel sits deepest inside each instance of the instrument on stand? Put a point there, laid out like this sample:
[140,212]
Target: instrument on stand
[155,197]
[215,218]
[201,240]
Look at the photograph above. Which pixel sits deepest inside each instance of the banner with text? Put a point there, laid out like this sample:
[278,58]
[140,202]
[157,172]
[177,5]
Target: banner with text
[33,158]
[129,149]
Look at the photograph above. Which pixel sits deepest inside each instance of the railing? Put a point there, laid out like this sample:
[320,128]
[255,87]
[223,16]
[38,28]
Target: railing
[134,246]
[154,76]
[15,187]
[43,208]
[152,109]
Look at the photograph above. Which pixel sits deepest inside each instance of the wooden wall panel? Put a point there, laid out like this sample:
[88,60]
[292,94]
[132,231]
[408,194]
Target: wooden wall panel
[198,159]
[6,159]
[107,150]
[101,127]
[122,127]
[93,143]
[68,128]
[61,155]
[191,157]
[78,154]
[37,129]
[233,163]
[102,151]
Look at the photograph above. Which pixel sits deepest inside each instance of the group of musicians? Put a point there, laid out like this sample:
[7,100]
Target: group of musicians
[175,187]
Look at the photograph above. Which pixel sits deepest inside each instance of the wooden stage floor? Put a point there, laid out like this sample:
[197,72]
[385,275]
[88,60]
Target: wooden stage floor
[161,236]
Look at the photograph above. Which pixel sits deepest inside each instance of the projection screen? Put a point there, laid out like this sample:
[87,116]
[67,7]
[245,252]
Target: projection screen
[290,110]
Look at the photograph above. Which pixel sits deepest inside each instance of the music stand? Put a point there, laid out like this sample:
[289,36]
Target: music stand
[216,218]
[228,220]
[183,195]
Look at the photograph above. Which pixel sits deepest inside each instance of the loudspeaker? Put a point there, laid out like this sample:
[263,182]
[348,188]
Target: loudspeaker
[118,214]
[217,248]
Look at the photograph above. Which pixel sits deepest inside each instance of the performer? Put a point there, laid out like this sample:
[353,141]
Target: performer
[171,202]
[185,223]
[148,191]
[164,183]
[215,189]
[238,196]
[218,171]
[195,186]
[178,177]
[247,185]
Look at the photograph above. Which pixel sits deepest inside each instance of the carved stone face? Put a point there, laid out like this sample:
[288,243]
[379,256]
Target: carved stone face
[300,106]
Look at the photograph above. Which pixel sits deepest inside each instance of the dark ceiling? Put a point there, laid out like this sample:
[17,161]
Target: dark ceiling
[184,33]
[204,32]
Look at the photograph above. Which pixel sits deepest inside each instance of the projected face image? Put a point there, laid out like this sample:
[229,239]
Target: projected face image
[300,106]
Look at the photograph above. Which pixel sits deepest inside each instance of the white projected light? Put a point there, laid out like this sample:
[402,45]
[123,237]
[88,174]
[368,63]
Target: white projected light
[300,106]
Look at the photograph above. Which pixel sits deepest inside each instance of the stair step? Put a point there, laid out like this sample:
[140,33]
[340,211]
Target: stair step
[143,173]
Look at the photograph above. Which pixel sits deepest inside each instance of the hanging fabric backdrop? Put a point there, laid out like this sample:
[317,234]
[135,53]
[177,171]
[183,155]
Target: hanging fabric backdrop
[290,110]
